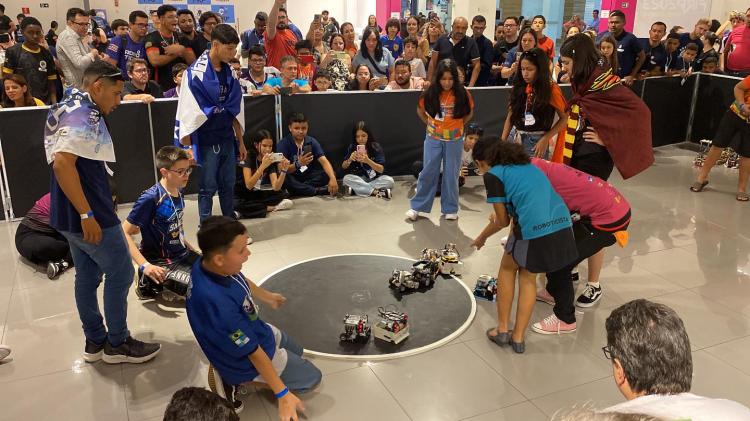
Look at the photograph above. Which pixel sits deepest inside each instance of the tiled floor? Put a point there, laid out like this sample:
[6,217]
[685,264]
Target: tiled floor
[690,251]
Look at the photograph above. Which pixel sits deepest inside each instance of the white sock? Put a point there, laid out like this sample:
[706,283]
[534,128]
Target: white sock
[594,284]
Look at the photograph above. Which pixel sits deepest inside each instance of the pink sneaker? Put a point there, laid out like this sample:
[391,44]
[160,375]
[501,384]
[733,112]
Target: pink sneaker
[545,297]
[551,325]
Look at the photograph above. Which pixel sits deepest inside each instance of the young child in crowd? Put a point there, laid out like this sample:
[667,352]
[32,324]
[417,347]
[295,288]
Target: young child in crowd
[240,347]
[322,81]
[260,180]
[411,46]
[534,102]
[305,60]
[540,241]
[177,71]
[165,256]
[364,164]
[391,39]
[683,66]
[445,107]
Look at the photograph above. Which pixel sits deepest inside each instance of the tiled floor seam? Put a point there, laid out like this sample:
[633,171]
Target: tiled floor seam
[493,369]
[713,300]
[369,367]
[496,409]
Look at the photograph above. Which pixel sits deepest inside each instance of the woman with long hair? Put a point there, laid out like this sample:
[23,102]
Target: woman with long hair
[541,238]
[372,54]
[561,76]
[432,31]
[364,164]
[526,41]
[362,79]
[372,24]
[608,126]
[445,107]
[315,36]
[17,93]
[337,62]
[350,39]
[608,48]
[534,102]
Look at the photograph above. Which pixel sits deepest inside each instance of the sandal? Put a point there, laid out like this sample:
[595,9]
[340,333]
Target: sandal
[501,339]
[742,197]
[698,187]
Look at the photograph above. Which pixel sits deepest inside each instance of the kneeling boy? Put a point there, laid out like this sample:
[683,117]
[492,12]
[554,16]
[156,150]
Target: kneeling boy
[165,257]
[241,347]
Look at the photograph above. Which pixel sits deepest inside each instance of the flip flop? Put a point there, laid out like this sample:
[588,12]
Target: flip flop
[742,197]
[501,339]
[698,187]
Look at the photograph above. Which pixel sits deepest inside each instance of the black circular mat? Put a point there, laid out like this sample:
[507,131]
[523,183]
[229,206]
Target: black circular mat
[321,291]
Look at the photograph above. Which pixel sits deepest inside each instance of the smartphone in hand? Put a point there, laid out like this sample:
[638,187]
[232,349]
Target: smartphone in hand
[362,150]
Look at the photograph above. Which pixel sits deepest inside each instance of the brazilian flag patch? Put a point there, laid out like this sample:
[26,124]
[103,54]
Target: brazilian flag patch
[239,338]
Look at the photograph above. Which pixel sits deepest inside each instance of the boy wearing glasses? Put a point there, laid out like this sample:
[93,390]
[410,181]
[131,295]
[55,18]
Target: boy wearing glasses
[165,257]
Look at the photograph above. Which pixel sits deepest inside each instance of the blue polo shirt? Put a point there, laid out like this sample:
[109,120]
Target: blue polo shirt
[656,57]
[395,45]
[159,216]
[226,323]
[529,199]
[288,147]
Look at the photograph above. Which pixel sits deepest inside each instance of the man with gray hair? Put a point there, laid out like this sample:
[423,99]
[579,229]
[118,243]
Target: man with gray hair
[653,366]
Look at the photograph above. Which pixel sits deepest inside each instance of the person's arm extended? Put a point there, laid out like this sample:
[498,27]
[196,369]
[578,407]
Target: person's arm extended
[189,56]
[69,180]
[637,67]
[467,118]
[476,65]
[304,88]
[327,168]
[498,220]
[251,177]
[273,20]
[432,65]
[152,271]
[739,96]
[52,91]
[289,403]
[158,60]
[375,166]
[145,98]
[277,179]
[110,60]
[507,72]
[543,145]
[507,126]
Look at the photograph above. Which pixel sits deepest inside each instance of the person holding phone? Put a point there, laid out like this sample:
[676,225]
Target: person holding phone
[378,59]
[319,47]
[338,63]
[527,41]
[305,61]
[288,83]
[364,165]
[310,173]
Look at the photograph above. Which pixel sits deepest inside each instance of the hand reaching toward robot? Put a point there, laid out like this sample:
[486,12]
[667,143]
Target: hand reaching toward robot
[275,300]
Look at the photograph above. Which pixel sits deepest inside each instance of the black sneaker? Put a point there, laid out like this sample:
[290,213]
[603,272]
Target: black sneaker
[145,288]
[348,191]
[92,352]
[130,351]
[590,296]
[223,389]
[385,194]
[56,268]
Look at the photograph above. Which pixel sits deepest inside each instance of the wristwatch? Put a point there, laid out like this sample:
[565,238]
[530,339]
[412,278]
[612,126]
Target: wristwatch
[87,215]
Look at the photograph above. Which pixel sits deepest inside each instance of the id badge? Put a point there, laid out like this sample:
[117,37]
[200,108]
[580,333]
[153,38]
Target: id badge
[371,173]
[528,119]
[303,168]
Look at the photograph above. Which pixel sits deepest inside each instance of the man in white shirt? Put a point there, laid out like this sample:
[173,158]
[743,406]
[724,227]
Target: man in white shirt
[653,366]
[73,50]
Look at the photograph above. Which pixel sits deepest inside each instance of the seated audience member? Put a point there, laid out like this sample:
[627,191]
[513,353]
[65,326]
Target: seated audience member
[711,65]
[468,167]
[364,164]
[322,81]
[258,73]
[164,257]
[41,244]
[199,404]
[305,60]
[245,84]
[260,180]
[310,173]
[17,93]
[404,78]
[363,80]
[288,79]
[240,347]
[177,71]
[683,66]
[338,63]
[672,48]
[653,366]
[372,54]
[411,48]
[139,88]
[119,28]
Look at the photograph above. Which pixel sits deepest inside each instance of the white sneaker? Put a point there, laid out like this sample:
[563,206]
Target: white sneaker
[4,351]
[451,216]
[412,215]
[249,240]
[284,205]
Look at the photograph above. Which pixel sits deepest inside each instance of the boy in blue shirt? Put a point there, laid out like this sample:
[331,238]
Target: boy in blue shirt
[224,317]
[131,45]
[391,40]
[164,257]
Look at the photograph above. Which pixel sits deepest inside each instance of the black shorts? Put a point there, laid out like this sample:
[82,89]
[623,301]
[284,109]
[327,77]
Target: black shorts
[591,238]
[732,125]
[595,160]
[544,254]
[178,272]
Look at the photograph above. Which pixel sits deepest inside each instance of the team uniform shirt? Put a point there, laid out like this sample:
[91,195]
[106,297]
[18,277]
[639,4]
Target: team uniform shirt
[305,71]
[253,163]
[628,49]
[548,45]
[292,152]
[251,38]
[157,43]
[36,66]
[395,45]
[361,169]
[38,217]
[122,49]
[218,128]
[282,44]
[226,323]
[152,88]
[486,56]
[684,406]
[443,126]
[537,210]
[656,57]
[585,194]
[159,216]
[685,40]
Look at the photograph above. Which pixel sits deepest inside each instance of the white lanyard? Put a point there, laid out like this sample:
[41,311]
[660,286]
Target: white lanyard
[175,214]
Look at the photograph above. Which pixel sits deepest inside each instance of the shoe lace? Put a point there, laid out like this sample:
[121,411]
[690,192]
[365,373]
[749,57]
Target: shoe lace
[589,291]
[551,320]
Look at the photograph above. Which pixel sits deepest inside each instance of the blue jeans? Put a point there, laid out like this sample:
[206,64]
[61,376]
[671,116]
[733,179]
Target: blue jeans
[437,153]
[299,375]
[364,186]
[528,141]
[218,174]
[112,259]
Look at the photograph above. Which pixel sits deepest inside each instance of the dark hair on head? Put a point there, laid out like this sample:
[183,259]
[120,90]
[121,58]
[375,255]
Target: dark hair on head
[137,14]
[20,16]
[651,344]
[542,85]
[30,21]
[478,19]
[322,73]
[117,23]
[304,44]
[354,83]
[673,35]
[539,17]
[411,40]
[660,23]
[378,47]
[402,62]
[234,60]
[431,96]
[297,117]
[256,139]
[283,9]
[581,49]
[372,146]
[286,59]
[2,8]
[53,24]
[224,34]
[91,12]
[256,50]
[596,10]
[130,65]
[715,25]
[711,38]
[393,22]
[513,18]
[101,69]
[524,31]
[186,12]
[71,14]
[198,404]
[474,129]
[334,36]
[28,99]
[178,68]
[617,14]
[167,156]
[613,61]
[710,60]
[346,24]
[217,233]
[494,151]
[692,47]
[206,16]
[164,9]
[572,27]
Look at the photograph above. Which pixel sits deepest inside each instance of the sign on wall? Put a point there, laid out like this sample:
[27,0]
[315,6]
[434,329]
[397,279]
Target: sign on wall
[220,7]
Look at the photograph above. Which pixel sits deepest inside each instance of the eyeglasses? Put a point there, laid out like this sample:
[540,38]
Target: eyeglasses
[81,24]
[607,352]
[183,171]
[112,76]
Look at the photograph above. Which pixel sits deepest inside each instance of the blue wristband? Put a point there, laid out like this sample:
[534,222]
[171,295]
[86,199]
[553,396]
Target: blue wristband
[282,393]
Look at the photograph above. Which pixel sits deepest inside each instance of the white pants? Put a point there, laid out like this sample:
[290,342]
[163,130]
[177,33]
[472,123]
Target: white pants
[363,187]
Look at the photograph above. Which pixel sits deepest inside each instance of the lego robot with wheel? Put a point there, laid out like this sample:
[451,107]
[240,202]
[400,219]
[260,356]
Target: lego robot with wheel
[392,327]
[450,260]
[486,288]
[356,329]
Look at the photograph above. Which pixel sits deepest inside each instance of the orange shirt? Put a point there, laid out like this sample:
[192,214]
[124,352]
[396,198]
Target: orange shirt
[557,100]
[548,46]
[445,127]
[734,107]
[281,45]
